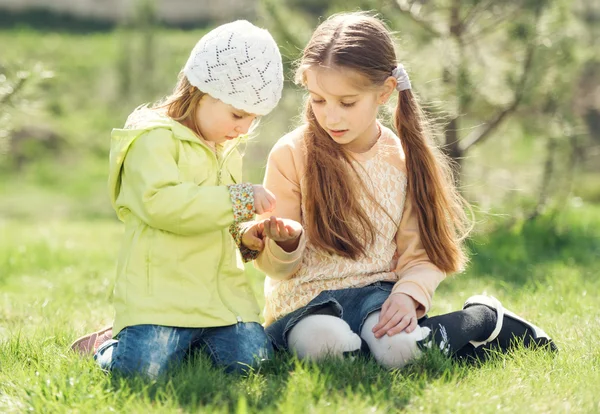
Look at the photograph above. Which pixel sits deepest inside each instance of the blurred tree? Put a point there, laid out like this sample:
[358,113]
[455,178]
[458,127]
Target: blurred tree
[529,54]
[136,63]
[19,92]
[516,59]
[462,29]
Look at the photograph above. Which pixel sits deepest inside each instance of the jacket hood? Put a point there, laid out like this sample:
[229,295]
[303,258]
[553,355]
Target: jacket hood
[140,121]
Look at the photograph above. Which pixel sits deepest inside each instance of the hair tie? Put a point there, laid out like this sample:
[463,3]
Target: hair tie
[402,77]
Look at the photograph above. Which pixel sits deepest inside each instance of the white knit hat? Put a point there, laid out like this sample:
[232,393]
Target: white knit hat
[239,64]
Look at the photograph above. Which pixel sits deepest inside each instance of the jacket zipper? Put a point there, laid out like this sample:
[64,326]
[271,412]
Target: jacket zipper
[219,179]
[220,166]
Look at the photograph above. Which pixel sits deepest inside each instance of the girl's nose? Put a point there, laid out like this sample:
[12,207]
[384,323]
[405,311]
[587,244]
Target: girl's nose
[332,115]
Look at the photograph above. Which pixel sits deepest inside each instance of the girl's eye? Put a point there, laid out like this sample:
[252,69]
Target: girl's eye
[236,116]
[348,105]
[317,101]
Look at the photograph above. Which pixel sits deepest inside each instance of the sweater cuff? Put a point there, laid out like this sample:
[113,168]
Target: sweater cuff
[242,199]
[416,292]
[280,255]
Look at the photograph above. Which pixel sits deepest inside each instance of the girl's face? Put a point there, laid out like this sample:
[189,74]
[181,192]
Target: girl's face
[219,122]
[347,111]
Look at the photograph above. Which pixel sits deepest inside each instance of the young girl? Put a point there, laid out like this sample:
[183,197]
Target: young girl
[369,222]
[175,182]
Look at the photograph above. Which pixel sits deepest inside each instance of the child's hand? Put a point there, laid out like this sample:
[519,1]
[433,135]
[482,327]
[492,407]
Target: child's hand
[285,232]
[254,235]
[398,313]
[281,230]
[264,200]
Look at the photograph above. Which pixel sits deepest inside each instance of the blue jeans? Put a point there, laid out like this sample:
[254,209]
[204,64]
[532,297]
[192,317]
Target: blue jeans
[353,305]
[149,350]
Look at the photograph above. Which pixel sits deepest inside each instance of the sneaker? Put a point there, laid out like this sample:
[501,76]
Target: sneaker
[88,344]
[534,336]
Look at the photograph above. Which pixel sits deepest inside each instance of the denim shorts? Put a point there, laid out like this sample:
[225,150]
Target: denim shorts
[353,305]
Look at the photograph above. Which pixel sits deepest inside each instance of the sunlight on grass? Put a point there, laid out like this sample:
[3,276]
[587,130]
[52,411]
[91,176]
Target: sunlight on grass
[56,279]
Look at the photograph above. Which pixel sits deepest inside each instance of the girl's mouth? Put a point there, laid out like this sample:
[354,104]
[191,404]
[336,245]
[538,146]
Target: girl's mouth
[337,132]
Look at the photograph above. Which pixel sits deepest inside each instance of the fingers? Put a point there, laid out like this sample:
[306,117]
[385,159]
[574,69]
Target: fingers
[293,232]
[385,307]
[260,229]
[253,238]
[413,324]
[270,201]
[264,200]
[276,229]
[390,320]
[383,316]
[258,205]
[268,227]
[271,228]
[255,244]
[262,206]
[405,323]
[395,317]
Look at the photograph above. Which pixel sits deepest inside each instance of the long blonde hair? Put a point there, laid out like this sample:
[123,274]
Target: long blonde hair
[362,43]
[182,103]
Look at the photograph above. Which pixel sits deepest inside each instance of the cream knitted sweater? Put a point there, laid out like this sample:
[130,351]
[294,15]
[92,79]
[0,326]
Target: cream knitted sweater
[397,255]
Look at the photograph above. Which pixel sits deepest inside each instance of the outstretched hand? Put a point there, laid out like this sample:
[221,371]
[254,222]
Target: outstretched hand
[398,313]
[285,232]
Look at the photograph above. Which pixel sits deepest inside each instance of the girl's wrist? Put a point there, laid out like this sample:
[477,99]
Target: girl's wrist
[414,302]
[290,245]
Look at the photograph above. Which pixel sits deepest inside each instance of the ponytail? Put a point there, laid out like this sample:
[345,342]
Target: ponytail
[443,223]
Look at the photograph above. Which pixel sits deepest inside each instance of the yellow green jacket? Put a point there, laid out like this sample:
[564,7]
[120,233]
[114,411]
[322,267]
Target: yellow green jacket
[178,264]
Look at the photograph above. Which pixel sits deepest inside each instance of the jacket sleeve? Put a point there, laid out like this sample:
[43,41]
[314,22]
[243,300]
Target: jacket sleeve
[282,179]
[161,200]
[418,277]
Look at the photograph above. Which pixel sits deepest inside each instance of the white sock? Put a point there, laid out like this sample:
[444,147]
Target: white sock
[392,351]
[317,336]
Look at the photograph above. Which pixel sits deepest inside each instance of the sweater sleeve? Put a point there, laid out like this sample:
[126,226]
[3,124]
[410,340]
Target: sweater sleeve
[418,277]
[158,197]
[282,179]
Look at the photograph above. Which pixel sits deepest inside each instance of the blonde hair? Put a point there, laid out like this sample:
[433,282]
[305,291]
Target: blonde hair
[182,103]
[362,43]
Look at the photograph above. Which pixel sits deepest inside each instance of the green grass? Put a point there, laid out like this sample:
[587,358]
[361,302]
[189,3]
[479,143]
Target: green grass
[56,279]
[58,244]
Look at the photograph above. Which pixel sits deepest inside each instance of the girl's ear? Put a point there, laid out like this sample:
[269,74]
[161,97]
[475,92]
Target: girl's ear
[389,86]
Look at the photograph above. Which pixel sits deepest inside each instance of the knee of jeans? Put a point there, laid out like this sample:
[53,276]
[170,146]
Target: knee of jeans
[246,348]
[398,350]
[260,341]
[255,349]
[318,336]
[148,358]
[150,366]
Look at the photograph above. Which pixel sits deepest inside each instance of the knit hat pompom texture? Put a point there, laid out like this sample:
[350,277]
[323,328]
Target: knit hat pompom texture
[239,64]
